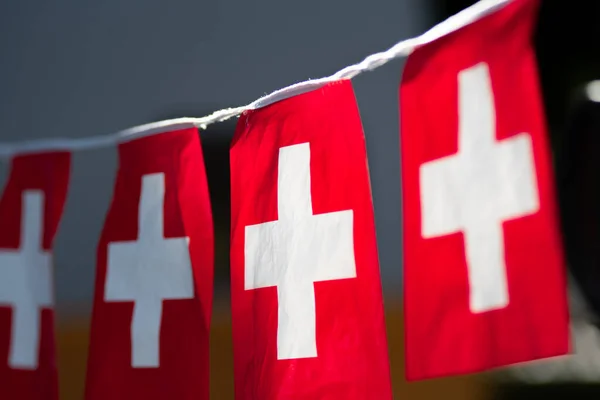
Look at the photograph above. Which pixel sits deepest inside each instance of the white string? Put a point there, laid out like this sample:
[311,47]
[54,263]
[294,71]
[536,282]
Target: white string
[373,61]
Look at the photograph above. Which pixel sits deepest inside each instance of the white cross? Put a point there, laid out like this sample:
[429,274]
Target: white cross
[148,271]
[475,190]
[26,284]
[296,251]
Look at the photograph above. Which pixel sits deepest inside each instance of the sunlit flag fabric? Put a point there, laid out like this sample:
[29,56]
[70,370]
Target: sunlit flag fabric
[306,293]
[154,282]
[484,276]
[30,211]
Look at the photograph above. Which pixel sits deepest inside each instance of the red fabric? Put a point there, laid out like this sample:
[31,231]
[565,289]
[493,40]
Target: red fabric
[352,359]
[48,173]
[443,336]
[184,331]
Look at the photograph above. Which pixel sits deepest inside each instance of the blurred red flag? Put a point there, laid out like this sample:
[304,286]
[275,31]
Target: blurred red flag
[154,279]
[307,307]
[30,211]
[484,271]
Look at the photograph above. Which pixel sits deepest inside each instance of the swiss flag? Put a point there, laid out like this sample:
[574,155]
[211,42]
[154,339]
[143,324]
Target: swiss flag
[154,279]
[30,211]
[483,261]
[307,307]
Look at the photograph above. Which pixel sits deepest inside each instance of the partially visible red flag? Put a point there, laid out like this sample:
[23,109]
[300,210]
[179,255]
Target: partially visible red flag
[30,211]
[154,279]
[484,271]
[307,307]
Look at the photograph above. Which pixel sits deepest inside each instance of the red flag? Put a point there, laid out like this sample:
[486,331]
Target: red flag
[30,211]
[307,305]
[484,277]
[154,282]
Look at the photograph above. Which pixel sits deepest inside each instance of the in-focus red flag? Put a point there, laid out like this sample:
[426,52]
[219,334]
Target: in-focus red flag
[483,261]
[30,211]
[307,306]
[154,279]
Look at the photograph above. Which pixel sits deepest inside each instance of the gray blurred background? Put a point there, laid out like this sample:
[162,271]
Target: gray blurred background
[80,68]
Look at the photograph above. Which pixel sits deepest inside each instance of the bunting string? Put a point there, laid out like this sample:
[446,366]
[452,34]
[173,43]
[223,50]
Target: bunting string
[371,62]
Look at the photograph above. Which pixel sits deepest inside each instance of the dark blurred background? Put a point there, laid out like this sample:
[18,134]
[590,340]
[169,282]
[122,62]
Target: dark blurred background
[80,68]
